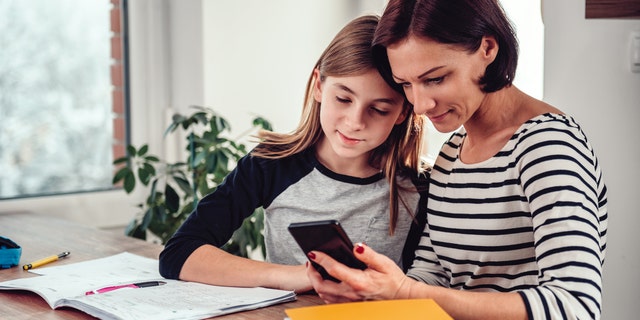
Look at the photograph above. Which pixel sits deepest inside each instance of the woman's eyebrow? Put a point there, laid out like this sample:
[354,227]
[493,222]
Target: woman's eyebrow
[424,74]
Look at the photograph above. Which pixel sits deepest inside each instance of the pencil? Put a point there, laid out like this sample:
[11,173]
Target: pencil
[44,261]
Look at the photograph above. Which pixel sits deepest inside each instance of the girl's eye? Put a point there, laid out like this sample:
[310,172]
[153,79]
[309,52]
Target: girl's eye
[342,100]
[379,111]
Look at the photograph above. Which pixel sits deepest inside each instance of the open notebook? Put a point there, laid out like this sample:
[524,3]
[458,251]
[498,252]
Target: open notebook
[67,286]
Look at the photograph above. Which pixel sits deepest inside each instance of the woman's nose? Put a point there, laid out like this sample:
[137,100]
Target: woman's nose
[422,101]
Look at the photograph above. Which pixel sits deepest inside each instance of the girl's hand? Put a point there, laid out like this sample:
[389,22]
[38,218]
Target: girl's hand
[382,279]
[293,278]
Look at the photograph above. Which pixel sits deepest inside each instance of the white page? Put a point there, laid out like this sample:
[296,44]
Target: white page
[58,282]
[66,286]
[181,300]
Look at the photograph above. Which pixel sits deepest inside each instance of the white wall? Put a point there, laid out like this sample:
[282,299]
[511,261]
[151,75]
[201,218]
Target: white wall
[587,75]
[259,54]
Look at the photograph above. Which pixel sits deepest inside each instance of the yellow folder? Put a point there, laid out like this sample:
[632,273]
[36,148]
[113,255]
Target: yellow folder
[409,309]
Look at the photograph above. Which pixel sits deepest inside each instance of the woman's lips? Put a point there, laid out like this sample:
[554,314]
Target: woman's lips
[439,117]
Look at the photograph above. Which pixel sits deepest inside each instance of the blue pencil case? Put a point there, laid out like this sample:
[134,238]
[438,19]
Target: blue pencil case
[9,253]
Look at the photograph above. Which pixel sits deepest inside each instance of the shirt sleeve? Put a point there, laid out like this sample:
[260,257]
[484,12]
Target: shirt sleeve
[562,181]
[216,216]
[426,267]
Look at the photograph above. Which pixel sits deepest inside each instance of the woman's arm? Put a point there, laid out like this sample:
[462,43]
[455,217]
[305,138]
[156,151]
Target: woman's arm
[209,264]
[384,280]
[562,180]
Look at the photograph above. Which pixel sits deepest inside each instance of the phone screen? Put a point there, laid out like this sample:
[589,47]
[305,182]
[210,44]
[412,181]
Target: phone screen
[326,236]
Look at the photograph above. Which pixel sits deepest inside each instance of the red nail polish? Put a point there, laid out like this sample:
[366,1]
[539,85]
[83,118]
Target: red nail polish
[359,248]
[311,255]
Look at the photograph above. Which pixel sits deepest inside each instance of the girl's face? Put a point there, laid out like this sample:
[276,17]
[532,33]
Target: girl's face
[357,114]
[441,81]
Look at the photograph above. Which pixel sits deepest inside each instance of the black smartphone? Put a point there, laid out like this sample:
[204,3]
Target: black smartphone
[326,236]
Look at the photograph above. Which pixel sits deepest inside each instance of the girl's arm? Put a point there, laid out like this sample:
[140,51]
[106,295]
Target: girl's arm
[209,264]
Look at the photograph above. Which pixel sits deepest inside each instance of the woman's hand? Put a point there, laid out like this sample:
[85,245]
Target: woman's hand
[382,279]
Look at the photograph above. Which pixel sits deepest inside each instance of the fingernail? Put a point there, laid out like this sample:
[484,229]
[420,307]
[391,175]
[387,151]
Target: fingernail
[359,248]
[311,255]
[306,264]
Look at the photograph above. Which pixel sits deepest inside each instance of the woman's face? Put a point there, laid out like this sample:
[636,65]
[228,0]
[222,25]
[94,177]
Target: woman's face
[441,81]
[357,113]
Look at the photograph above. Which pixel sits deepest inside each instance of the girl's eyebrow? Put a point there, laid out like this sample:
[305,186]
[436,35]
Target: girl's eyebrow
[382,100]
[343,87]
[424,74]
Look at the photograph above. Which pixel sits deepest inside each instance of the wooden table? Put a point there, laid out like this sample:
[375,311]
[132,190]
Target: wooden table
[40,236]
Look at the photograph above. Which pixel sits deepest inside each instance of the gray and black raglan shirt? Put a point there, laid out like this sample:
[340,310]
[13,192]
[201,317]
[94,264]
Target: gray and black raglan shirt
[297,189]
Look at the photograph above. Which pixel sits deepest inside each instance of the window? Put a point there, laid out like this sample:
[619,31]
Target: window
[62,96]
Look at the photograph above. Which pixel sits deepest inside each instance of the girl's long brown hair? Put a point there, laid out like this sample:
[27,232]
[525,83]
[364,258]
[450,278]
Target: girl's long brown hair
[349,54]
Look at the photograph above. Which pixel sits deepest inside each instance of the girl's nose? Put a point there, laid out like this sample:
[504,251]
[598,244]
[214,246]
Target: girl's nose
[355,119]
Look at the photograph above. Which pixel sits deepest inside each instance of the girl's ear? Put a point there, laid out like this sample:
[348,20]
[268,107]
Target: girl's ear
[403,115]
[317,87]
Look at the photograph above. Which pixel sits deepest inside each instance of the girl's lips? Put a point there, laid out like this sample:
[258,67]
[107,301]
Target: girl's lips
[348,140]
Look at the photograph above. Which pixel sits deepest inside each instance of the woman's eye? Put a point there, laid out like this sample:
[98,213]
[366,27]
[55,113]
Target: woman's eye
[437,80]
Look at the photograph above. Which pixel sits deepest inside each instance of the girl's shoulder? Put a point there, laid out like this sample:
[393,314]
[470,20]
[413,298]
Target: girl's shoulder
[298,162]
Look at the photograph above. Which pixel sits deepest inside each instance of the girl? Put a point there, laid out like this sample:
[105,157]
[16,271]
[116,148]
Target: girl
[353,158]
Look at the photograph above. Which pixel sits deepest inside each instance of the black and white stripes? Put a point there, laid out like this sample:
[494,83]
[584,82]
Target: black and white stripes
[531,219]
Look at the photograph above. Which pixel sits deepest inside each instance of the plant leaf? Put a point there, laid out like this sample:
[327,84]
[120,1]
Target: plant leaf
[144,176]
[143,150]
[129,181]
[172,199]
[152,193]
[146,220]
[262,123]
[131,151]
[151,159]
[183,184]
[135,230]
[120,160]
[121,174]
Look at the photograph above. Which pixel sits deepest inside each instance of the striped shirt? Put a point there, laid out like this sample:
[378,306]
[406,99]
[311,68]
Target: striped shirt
[532,219]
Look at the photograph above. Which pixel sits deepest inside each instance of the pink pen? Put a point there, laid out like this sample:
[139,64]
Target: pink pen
[130,285]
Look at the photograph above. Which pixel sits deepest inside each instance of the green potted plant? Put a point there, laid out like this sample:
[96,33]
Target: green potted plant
[175,188]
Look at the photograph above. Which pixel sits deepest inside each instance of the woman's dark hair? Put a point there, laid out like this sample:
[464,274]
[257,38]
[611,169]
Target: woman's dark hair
[461,23]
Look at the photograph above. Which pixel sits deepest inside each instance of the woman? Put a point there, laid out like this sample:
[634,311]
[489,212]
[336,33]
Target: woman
[353,158]
[517,216]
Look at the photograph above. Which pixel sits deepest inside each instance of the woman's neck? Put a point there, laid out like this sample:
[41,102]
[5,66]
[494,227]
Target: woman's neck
[499,116]
[488,130]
